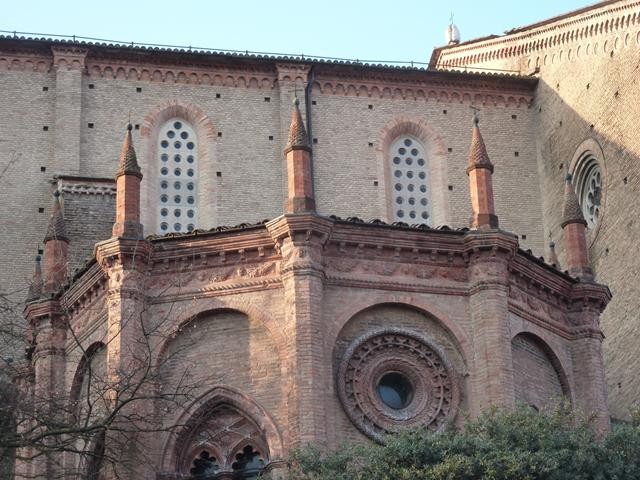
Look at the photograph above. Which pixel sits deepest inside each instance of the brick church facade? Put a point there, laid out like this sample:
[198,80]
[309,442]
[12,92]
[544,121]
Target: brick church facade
[354,311]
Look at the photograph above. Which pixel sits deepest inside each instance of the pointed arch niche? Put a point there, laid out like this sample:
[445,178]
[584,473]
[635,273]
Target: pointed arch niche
[203,194]
[411,156]
[224,431]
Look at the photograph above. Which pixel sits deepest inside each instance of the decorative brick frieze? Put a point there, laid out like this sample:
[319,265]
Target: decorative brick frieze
[68,57]
[576,31]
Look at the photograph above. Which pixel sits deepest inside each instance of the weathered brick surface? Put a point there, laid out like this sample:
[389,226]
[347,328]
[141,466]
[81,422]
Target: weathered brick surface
[587,91]
[536,379]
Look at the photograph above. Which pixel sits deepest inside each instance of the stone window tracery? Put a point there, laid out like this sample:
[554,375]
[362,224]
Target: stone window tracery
[409,174]
[178,179]
[392,379]
[587,180]
[224,443]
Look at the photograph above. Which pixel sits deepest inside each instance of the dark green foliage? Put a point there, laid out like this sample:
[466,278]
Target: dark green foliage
[501,445]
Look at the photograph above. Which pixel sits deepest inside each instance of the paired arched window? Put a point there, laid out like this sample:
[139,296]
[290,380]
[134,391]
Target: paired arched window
[410,187]
[178,177]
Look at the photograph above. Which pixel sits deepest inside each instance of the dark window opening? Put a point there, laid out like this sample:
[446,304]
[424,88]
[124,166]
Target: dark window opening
[395,390]
[204,465]
[248,464]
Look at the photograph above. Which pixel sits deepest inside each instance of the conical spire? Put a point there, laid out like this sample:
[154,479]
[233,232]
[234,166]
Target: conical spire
[297,133]
[478,157]
[571,212]
[128,161]
[55,229]
[35,289]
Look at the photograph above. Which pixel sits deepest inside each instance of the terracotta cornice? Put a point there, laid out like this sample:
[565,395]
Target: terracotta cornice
[47,307]
[130,253]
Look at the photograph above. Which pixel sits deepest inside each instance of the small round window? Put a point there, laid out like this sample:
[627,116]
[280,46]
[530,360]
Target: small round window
[588,186]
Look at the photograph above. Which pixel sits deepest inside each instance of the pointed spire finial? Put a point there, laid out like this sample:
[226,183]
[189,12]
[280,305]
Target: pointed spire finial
[297,132]
[35,289]
[478,156]
[571,211]
[56,229]
[128,164]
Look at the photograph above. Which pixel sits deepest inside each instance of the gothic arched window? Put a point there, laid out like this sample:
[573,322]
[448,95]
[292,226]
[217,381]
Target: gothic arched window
[410,187]
[178,177]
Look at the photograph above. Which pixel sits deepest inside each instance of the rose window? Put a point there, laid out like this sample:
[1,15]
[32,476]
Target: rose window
[392,379]
[588,185]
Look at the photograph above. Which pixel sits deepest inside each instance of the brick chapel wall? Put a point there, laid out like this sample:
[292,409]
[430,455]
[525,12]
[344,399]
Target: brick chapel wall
[343,328]
[346,165]
[251,184]
[596,101]
[87,217]
[24,149]
[536,380]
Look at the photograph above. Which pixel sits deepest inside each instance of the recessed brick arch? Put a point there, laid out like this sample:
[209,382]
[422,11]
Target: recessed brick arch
[551,356]
[206,134]
[220,395]
[81,371]
[428,309]
[195,310]
[436,153]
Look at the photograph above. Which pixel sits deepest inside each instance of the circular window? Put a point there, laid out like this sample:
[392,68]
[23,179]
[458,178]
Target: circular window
[177,125]
[408,164]
[171,134]
[588,186]
[184,135]
[395,390]
[164,157]
[393,379]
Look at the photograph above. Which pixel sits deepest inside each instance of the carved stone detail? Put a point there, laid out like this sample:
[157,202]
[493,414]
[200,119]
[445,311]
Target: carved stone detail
[435,395]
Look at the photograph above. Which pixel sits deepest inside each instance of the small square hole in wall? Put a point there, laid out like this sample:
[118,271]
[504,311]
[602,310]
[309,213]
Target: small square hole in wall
[591,126]
[90,125]
[43,169]
[514,116]
[138,89]
[218,174]
[450,188]
[45,89]
[137,126]
[313,102]
[370,107]
[315,140]
[41,210]
[217,95]
[219,134]
[561,166]
[40,251]
[523,237]
[560,122]
[375,183]
[270,137]
[449,149]
[91,86]
[45,128]
[371,144]
[267,99]
[624,180]
[444,112]
[516,154]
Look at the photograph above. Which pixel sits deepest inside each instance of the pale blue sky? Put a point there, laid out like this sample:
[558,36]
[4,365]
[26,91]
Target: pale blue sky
[373,30]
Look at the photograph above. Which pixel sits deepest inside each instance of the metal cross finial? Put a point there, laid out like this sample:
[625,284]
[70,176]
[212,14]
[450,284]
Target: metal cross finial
[451,19]
[476,118]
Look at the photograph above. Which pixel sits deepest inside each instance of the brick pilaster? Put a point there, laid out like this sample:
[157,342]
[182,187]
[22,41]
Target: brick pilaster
[589,300]
[492,369]
[49,326]
[69,65]
[302,238]
[125,261]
